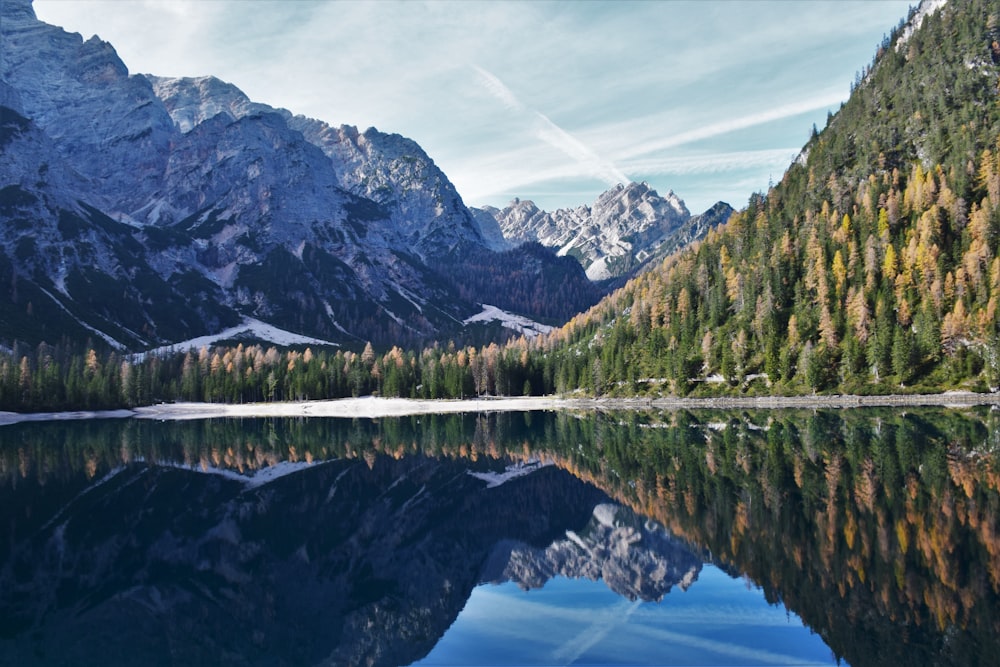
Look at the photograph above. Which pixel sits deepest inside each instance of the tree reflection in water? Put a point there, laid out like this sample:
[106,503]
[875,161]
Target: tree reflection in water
[878,528]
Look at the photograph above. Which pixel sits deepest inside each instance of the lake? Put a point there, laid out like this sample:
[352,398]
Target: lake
[688,537]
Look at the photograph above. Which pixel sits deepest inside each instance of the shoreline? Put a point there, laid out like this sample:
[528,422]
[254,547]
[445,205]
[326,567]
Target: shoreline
[370,407]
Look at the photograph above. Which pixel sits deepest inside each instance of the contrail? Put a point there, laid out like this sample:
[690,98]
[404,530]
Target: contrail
[497,88]
[733,124]
[550,133]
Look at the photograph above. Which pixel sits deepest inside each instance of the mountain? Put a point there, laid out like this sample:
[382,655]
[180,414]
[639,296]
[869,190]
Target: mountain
[54,244]
[872,266]
[694,229]
[144,211]
[621,230]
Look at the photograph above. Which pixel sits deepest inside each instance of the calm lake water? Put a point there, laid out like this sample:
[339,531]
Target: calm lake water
[861,537]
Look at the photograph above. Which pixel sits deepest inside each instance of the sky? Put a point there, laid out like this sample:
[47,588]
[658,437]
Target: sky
[549,101]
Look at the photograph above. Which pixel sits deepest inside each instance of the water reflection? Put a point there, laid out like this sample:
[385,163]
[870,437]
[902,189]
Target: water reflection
[635,559]
[718,621]
[358,542]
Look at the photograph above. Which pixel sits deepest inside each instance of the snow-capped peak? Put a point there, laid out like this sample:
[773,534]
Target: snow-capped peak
[610,238]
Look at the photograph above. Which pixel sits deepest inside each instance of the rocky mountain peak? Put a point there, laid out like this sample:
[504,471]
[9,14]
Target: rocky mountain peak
[523,212]
[622,228]
[191,101]
[395,172]
[98,63]
[637,206]
[14,11]
[107,125]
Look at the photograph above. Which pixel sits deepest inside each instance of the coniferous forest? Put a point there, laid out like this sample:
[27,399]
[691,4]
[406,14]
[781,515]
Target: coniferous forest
[871,267]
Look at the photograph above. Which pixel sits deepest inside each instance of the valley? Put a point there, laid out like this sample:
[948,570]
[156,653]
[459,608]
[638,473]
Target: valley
[279,390]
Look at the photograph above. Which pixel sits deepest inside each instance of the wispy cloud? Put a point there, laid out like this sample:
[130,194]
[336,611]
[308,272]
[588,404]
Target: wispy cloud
[547,131]
[503,175]
[498,89]
[604,623]
[712,163]
[708,647]
[509,178]
[822,101]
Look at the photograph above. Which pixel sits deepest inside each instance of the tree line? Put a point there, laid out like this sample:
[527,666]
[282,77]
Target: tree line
[891,285]
[58,377]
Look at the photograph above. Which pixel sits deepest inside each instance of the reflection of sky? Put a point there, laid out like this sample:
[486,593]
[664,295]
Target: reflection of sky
[718,621]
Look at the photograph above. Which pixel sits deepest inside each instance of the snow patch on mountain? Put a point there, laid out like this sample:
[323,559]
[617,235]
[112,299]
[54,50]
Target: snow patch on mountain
[519,323]
[250,328]
[107,338]
[250,478]
[599,269]
[513,471]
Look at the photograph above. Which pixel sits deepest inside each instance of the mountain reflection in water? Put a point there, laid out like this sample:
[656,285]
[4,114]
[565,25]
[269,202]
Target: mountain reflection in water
[324,541]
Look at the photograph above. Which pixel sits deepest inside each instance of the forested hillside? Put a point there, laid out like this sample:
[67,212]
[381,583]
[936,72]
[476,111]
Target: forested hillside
[871,266]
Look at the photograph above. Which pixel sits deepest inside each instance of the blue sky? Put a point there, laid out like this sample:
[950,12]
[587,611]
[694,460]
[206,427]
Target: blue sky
[549,101]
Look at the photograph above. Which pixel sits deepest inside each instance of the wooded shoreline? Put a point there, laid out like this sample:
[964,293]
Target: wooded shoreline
[371,407]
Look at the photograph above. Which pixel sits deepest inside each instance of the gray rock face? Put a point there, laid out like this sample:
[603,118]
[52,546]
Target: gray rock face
[422,207]
[696,227]
[71,270]
[192,101]
[422,204]
[622,228]
[489,228]
[106,124]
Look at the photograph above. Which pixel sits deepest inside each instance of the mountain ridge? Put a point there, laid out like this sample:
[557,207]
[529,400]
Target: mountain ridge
[171,208]
[611,238]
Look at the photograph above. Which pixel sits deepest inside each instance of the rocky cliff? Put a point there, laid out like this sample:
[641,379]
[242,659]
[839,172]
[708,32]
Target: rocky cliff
[623,228]
[143,211]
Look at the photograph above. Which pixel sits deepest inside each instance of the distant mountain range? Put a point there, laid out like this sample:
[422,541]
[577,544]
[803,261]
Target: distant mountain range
[625,227]
[141,211]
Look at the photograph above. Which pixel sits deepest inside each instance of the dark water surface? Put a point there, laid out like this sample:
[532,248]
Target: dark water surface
[866,537]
